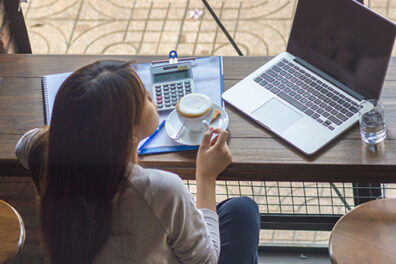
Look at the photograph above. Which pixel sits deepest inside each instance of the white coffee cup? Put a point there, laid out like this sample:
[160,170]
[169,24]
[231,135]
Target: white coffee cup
[194,110]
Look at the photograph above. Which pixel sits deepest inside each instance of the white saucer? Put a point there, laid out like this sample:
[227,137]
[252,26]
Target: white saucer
[192,138]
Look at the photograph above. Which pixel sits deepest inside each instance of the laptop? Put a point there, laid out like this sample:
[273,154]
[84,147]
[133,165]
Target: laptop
[337,56]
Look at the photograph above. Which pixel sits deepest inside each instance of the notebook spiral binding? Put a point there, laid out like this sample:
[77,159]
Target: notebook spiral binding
[47,111]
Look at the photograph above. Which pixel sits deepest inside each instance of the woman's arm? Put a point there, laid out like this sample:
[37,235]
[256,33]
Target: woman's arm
[193,234]
[25,143]
[30,151]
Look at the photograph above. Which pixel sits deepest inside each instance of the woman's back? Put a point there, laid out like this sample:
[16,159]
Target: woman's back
[155,221]
[154,217]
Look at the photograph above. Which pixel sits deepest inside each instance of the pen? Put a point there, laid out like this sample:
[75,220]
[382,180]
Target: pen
[151,137]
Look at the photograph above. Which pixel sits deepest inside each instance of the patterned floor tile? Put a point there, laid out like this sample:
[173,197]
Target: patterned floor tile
[50,37]
[106,10]
[95,37]
[50,9]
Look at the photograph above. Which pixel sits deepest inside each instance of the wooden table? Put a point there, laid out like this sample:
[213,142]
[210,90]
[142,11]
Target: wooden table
[257,154]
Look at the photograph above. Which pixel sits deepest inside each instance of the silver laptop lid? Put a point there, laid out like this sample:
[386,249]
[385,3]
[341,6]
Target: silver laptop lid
[346,41]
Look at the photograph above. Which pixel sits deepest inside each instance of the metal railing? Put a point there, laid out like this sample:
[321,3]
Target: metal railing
[300,213]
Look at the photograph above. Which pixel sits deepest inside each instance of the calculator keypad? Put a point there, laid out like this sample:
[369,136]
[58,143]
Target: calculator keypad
[168,94]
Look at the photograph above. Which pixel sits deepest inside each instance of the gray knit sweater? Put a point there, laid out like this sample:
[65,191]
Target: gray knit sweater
[155,220]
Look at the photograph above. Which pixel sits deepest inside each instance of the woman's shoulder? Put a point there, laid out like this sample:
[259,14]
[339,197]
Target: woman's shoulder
[156,184]
[154,178]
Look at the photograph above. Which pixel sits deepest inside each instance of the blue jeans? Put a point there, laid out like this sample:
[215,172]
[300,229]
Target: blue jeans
[239,230]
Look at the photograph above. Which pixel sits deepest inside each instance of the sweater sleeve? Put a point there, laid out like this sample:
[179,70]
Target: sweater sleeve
[193,234]
[24,145]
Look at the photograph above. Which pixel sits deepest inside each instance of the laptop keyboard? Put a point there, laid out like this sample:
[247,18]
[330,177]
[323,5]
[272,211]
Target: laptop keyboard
[308,94]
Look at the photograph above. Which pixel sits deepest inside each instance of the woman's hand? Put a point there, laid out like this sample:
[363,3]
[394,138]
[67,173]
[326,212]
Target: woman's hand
[213,155]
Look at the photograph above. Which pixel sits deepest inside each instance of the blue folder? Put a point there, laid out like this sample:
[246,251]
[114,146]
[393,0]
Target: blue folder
[208,79]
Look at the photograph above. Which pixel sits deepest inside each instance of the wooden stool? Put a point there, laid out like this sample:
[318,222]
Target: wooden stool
[367,234]
[12,232]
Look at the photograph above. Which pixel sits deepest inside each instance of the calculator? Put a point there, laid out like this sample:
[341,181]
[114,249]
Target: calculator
[170,83]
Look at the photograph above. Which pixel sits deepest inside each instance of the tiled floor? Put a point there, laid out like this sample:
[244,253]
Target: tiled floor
[154,27]
[260,27]
[293,258]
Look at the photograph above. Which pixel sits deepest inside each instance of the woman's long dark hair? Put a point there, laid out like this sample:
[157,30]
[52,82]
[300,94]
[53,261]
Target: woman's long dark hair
[90,145]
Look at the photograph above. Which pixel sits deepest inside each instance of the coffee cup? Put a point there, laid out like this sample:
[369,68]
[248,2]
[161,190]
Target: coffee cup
[195,111]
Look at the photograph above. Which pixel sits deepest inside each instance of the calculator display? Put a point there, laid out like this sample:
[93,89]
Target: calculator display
[171,76]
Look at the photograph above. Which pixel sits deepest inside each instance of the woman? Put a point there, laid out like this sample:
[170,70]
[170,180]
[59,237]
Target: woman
[99,206]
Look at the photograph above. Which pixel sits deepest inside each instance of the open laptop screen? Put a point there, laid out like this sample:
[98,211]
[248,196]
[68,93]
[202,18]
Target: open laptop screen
[345,40]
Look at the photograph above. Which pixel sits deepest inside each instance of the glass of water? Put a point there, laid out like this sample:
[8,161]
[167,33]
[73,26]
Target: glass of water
[372,121]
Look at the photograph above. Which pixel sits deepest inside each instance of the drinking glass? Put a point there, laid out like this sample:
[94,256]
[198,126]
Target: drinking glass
[372,121]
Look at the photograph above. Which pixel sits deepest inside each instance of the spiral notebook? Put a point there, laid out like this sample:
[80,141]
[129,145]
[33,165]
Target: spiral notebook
[208,79]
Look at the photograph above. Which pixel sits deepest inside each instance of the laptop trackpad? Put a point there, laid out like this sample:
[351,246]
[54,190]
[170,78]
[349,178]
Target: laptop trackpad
[276,115]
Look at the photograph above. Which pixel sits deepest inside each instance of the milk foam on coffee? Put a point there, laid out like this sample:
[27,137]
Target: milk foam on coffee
[194,105]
